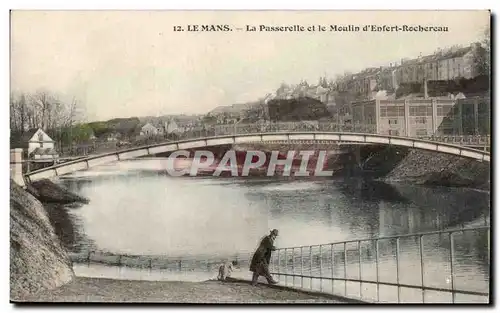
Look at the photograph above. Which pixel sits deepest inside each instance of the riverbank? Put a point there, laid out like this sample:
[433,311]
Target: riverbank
[41,270]
[38,261]
[400,164]
[39,224]
[111,290]
[439,169]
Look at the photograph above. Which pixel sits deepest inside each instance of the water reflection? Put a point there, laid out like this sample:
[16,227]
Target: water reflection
[136,210]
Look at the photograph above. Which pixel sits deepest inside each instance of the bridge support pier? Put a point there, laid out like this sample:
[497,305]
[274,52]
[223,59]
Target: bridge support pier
[16,166]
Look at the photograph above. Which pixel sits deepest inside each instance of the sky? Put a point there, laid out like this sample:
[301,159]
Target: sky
[132,63]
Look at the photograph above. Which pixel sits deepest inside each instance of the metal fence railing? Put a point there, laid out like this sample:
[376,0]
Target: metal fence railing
[311,266]
[380,262]
[242,129]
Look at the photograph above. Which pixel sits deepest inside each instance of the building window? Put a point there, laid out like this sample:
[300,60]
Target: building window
[394,132]
[421,110]
[420,120]
[392,111]
[421,132]
[393,122]
[383,111]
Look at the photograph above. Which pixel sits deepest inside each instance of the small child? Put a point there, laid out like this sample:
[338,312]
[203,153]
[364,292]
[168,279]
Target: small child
[225,270]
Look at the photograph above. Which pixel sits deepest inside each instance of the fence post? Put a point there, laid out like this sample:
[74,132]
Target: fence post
[359,261]
[180,266]
[311,266]
[286,269]
[321,268]
[452,253]
[279,263]
[397,267]
[333,268]
[345,269]
[421,242]
[293,267]
[301,267]
[376,260]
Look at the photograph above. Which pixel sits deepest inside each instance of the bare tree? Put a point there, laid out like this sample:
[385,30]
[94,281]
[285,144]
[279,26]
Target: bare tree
[13,112]
[41,110]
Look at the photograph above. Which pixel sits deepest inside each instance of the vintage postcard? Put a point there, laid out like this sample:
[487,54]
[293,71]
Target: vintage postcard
[250,156]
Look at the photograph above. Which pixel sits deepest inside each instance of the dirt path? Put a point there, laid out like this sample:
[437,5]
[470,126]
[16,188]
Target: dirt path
[110,290]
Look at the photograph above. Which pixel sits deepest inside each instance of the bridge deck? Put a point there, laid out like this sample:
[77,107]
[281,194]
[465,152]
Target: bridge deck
[83,164]
[110,290]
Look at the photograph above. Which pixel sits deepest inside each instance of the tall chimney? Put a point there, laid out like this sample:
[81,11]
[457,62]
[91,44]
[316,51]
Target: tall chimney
[426,95]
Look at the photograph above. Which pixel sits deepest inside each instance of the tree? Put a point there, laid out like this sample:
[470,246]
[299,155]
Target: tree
[100,128]
[481,55]
[41,110]
[486,43]
[81,133]
[45,110]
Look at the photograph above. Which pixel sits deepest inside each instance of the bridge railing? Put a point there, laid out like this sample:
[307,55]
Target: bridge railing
[242,129]
[383,262]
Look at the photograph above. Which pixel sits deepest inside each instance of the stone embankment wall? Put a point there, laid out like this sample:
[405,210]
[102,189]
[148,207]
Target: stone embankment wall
[440,169]
[38,261]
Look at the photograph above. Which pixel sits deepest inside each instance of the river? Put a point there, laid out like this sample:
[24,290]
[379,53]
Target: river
[136,209]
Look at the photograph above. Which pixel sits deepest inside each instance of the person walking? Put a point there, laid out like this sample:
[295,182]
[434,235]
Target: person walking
[261,258]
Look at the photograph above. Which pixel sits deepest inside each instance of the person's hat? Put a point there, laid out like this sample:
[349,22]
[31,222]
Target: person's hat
[275,232]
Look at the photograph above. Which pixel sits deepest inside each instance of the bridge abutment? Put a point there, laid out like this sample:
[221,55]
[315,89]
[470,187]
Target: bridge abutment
[16,166]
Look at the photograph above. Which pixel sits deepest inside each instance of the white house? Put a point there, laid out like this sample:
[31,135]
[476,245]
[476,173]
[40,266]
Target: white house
[149,130]
[40,145]
[172,127]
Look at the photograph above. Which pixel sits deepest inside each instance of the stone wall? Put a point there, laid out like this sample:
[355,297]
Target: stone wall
[38,261]
[16,166]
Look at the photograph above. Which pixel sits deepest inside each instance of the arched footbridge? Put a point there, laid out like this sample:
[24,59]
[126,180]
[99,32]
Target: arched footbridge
[136,152]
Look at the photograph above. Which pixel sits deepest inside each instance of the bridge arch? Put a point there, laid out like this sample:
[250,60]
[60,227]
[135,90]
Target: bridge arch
[132,153]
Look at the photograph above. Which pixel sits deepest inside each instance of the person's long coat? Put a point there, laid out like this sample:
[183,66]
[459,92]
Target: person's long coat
[263,253]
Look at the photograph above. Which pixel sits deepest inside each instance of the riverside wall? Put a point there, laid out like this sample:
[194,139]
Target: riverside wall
[38,261]
[440,169]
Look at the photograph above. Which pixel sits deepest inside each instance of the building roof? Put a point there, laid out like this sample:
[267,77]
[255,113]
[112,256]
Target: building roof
[455,53]
[30,133]
[439,56]
[235,108]
[18,140]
